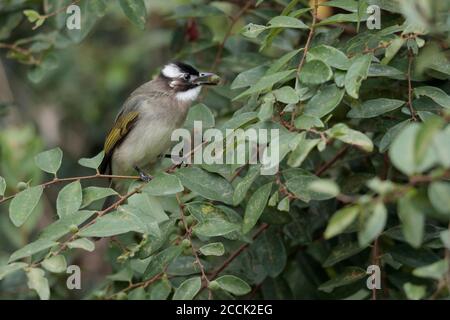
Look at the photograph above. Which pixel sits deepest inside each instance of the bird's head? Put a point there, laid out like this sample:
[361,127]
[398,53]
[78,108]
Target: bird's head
[186,81]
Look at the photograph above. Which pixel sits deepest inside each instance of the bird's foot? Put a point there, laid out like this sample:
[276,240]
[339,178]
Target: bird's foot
[142,175]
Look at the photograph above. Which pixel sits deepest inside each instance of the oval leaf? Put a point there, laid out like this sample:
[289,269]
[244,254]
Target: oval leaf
[23,205]
[50,160]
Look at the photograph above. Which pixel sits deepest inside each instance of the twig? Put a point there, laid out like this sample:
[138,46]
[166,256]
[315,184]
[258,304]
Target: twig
[306,49]
[60,180]
[143,284]
[410,89]
[332,161]
[235,254]
[221,46]
[194,250]
[32,60]
[375,261]
[62,9]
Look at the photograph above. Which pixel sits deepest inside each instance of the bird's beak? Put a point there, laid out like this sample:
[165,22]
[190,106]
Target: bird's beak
[207,79]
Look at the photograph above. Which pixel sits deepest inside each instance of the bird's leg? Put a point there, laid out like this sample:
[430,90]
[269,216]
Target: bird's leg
[144,177]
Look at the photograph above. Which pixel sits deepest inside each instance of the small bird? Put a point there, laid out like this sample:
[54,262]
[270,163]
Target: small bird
[143,127]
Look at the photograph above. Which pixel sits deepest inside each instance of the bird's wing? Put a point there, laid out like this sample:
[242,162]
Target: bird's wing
[121,128]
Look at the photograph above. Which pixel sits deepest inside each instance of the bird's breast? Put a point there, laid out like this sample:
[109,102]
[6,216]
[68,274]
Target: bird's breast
[149,138]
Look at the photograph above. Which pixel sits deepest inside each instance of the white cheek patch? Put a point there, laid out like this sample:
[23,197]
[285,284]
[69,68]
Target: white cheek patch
[171,71]
[189,95]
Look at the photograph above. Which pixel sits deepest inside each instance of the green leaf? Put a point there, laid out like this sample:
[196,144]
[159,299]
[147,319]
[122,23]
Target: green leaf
[445,238]
[286,22]
[324,101]
[437,95]
[390,135]
[188,289]
[248,77]
[65,225]
[112,224]
[92,163]
[286,95]
[2,186]
[341,18]
[439,194]
[82,243]
[434,271]
[255,207]
[373,225]
[424,139]
[357,72]
[50,160]
[284,204]
[163,184]
[213,249]
[350,275]
[233,285]
[414,292]
[69,199]
[301,152]
[442,148]
[215,227]
[252,30]
[206,184]
[160,290]
[266,82]
[299,185]
[31,15]
[392,50]
[306,122]
[330,55]
[341,132]
[325,186]
[38,282]
[402,149]
[242,187]
[413,220]
[23,205]
[199,112]
[271,252]
[92,194]
[315,72]
[32,248]
[11,268]
[374,108]
[161,260]
[55,264]
[342,252]
[340,221]
[136,11]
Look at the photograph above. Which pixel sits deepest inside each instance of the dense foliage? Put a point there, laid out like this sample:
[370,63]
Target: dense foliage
[364,142]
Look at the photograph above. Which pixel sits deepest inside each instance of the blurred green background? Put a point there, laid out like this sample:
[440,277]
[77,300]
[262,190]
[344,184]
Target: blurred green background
[71,99]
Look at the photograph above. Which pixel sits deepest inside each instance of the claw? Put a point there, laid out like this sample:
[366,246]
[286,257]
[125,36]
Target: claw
[142,175]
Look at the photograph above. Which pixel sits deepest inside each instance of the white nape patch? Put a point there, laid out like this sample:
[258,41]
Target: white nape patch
[189,95]
[171,71]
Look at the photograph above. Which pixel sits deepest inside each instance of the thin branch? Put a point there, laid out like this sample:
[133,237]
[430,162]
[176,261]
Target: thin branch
[410,89]
[332,161]
[375,261]
[234,20]
[62,9]
[61,180]
[194,250]
[32,60]
[306,49]
[235,254]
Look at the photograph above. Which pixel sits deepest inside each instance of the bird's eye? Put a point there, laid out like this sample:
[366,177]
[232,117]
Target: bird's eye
[186,76]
